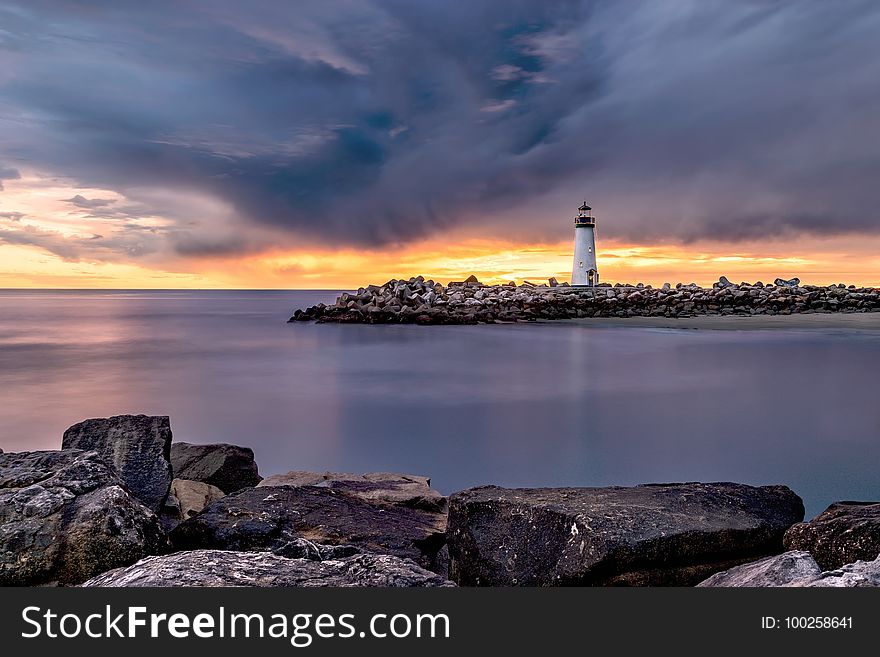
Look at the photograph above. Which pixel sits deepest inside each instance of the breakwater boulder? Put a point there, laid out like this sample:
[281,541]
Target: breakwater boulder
[186,499]
[859,574]
[406,490]
[264,569]
[844,533]
[228,467]
[787,569]
[137,446]
[66,516]
[270,517]
[658,534]
[797,568]
[422,301]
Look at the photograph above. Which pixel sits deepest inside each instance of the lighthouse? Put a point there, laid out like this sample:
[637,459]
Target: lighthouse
[585,270]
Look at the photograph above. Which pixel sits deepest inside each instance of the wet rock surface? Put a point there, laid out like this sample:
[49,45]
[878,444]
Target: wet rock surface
[660,534]
[423,301]
[228,467]
[66,516]
[137,446]
[269,517]
[231,568]
[844,533]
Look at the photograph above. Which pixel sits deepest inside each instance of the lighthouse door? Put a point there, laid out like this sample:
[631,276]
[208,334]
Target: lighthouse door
[592,277]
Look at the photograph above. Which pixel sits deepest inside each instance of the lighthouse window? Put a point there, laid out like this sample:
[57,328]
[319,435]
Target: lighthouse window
[581,263]
[590,249]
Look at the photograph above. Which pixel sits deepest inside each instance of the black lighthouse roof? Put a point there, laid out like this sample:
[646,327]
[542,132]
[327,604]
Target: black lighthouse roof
[585,207]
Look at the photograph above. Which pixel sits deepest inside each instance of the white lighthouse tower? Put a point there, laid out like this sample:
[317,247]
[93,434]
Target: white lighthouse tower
[585,270]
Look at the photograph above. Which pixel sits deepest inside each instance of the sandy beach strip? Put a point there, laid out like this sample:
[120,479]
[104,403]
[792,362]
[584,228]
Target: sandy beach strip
[800,321]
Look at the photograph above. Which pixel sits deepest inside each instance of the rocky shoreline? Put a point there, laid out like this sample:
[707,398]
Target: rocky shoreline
[420,301]
[121,504]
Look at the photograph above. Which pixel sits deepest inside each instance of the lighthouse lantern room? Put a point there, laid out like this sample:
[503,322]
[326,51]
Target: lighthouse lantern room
[585,271]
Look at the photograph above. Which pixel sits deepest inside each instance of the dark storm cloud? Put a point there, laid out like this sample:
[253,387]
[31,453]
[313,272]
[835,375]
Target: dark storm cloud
[378,122]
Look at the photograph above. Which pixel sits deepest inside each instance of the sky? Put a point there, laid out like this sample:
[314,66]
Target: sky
[334,143]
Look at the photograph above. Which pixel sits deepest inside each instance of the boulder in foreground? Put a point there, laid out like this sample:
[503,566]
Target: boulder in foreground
[797,568]
[400,489]
[859,574]
[787,569]
[657,534]
[269,517]
[186,499]
[844,533]
[66,516]
[228,467]
[223,568]
[138,446]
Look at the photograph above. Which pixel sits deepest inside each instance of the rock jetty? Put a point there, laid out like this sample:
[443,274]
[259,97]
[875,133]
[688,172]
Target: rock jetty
[422,301]
[72,516]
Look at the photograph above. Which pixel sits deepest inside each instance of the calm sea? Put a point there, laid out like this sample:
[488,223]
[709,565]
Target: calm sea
[516,405]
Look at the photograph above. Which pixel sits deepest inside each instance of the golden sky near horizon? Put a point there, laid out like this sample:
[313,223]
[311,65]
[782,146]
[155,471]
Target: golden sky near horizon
[32,267]
[48,241]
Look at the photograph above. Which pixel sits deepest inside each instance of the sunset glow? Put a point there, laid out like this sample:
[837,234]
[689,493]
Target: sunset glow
[491,262]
